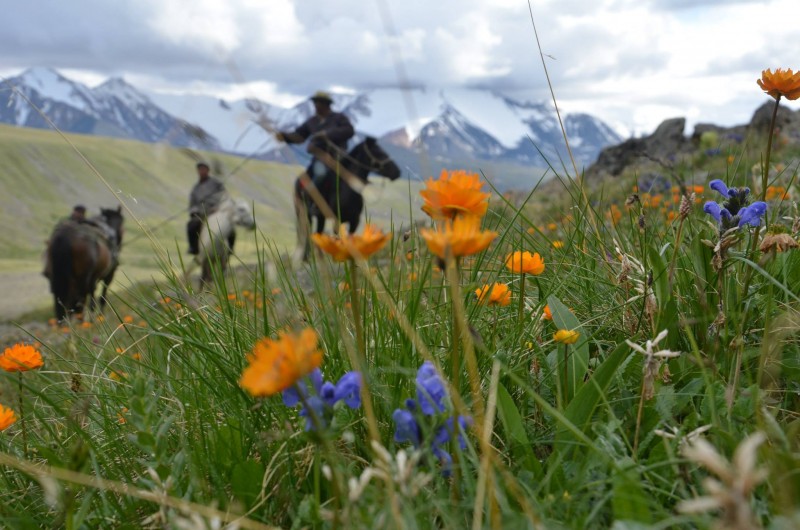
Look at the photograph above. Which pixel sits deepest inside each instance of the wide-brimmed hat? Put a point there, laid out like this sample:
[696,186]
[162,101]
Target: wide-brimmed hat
[321,95]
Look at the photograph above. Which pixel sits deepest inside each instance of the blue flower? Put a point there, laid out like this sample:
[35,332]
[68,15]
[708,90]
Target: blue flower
[322,396]
[713,209]
[752,214]
[348,389]
[431,391]
[720,187]
[317,405]
[407,427]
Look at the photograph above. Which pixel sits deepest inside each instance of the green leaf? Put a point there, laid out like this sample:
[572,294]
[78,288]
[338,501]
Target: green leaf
[580,409]
[517,437]
[630,502]
[246,479]
[577,359]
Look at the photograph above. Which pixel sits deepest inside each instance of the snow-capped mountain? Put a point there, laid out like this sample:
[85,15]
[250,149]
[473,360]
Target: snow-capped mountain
[446,128]
[115,108]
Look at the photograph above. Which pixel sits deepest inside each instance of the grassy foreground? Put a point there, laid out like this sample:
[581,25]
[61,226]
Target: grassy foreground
[614,362]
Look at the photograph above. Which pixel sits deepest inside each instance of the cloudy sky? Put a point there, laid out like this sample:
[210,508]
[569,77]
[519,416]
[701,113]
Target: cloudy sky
[630,62]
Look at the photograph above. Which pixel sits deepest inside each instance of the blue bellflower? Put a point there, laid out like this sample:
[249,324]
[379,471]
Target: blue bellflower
[734,212]
[430,389]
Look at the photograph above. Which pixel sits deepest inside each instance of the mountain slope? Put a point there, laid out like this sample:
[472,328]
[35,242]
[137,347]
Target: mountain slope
[114,109]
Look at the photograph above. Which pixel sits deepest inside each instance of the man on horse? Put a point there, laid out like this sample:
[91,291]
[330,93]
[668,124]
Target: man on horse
[327,132]
[204,199]
[78,213]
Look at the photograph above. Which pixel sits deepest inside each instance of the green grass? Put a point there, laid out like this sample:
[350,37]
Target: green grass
[140,421]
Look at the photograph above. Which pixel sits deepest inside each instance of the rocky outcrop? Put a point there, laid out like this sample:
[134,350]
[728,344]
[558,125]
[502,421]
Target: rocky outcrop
[668,142]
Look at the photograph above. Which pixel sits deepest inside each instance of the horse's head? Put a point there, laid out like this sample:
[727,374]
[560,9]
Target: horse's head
[243,214]
[370,155]
[113,218]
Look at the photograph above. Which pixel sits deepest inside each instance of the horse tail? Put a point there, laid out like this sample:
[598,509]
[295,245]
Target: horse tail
[61,273]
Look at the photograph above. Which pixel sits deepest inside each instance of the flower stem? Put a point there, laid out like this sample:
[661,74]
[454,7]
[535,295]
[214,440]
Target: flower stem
[355,307]
[521,299]
[22,417]
[765,171]
[638,421]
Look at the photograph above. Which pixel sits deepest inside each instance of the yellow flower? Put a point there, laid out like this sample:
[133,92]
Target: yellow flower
[462,236]
[455,193]
[558,244]
[277,364]
[495,294]
[348,246]
[525,262]
[20,358]
[565,336]
[782,83]
[7,418]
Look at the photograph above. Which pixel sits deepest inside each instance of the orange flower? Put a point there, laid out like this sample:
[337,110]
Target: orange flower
[525,262]
[455,193]
[566,336]
[7,418]
[127,319]
[782,83]
[20,358]
[277,364]
[495,294]
[552,226]
[698,189]
[348,246]
[614,213]
[546,313]
[462,236]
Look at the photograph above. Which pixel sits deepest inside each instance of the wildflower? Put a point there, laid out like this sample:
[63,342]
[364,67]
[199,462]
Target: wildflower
[348,246]
[652,362]
[495,294]
[558,244]
[118,376]
[783,83]
[456,193]
[546,313]
[127,319]
[525,262]
[462,237]
[737,480]
[734,212]
[20,358]
[566,336]
[432,428]
[86,324]
[7,418]
[277,364]
[614,214]
[698,189]
[321,397]
[686,205]
[552,227]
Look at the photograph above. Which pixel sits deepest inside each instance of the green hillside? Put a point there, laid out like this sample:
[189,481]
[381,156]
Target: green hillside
[42,177]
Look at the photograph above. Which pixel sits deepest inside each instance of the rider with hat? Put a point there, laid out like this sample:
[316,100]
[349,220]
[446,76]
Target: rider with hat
[204,199]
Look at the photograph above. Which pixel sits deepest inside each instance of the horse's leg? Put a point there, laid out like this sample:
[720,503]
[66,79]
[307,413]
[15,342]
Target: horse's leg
[106,281]
[302,225]
[352,206]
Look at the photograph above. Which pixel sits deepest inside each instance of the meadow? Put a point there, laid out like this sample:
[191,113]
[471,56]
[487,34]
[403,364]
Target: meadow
[625,356]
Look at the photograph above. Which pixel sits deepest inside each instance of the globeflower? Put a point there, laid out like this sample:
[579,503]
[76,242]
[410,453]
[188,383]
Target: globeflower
[277,364]
[20,358]
[525,263]
[462,236]
[495,294]
[782,83]
[348,246]
[456,193]
[566,336]
[7,418]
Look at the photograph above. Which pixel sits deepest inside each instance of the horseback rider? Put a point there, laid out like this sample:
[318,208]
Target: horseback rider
[326,131]
[78,213]
[204,199]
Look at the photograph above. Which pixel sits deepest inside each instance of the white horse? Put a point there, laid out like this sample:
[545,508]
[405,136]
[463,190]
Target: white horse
[214,250]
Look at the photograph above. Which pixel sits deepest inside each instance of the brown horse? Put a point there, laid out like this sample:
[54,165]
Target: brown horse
[79,255]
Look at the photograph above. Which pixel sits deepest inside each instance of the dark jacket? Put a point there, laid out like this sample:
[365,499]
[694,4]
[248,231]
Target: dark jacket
[336,127]
[206,196]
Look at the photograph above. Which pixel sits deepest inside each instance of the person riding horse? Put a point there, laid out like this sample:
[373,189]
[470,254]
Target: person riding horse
[327,131]
[93,227]
[204,199]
